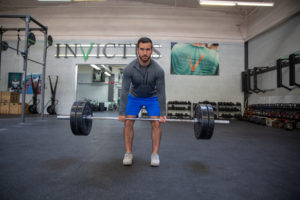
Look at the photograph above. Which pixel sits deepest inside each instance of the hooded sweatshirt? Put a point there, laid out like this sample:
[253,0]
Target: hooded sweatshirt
[140,81]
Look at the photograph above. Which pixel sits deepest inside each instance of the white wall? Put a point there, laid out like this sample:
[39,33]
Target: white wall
[125,22]
[264,50]
[225,87]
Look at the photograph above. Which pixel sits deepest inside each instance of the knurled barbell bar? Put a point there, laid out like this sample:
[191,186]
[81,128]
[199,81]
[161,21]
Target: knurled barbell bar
[81,119]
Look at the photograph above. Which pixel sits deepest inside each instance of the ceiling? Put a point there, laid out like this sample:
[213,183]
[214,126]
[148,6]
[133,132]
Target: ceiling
[245,21]
[10,5]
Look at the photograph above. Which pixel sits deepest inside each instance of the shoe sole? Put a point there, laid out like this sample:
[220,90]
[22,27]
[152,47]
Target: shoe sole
[127,164]
[154,165]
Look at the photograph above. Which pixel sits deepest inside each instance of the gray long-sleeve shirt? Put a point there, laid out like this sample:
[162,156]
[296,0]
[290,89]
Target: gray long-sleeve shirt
[141,81]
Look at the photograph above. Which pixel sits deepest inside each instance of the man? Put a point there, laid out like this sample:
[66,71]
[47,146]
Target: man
[143,84]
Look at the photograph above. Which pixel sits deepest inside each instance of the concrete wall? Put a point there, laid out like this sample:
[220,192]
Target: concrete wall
[264,50]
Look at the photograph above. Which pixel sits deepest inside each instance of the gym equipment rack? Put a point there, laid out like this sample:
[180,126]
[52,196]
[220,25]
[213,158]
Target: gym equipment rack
[27,30]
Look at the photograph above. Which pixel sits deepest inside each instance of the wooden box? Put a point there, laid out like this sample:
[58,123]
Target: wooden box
[15,97]
[15,108]
[5,97]
[10,97]
[4,108]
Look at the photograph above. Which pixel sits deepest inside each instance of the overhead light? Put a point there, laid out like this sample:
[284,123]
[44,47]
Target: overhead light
[217,3]
[106,68]
[71,0]
[56,0]
[255,4]
[95,67]
[88,0]
[234,3]
[107,74]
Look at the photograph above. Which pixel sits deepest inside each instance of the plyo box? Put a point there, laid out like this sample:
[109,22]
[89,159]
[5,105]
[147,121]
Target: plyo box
[15,108]
[10,97]
[4,108]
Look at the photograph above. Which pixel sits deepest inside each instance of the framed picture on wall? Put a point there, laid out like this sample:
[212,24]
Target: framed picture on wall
[35,81]
[15,82]
[195,58]
[98,76]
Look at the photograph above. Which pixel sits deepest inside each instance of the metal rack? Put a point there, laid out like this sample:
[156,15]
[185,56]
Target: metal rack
[179,110]
[27,18]
[281,63]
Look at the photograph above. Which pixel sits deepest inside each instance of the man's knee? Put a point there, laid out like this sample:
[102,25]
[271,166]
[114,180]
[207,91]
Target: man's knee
[155,125]
[129,123]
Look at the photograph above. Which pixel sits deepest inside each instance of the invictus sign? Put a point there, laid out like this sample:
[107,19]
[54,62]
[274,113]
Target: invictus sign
[97,50]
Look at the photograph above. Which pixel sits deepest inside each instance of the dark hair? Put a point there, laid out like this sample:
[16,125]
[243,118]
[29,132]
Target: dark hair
[144,40]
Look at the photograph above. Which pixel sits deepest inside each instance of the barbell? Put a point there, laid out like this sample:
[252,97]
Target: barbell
[81,119]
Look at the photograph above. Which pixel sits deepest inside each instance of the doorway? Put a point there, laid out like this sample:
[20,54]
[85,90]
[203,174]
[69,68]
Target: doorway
[100,84]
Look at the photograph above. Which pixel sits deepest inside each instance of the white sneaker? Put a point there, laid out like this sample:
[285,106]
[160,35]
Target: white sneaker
[154,160]
[127,159]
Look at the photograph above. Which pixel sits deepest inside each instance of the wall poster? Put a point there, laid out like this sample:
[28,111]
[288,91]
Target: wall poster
[15,82]
[195,58]
[36,79]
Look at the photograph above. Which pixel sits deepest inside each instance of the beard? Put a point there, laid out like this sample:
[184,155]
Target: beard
[144,59]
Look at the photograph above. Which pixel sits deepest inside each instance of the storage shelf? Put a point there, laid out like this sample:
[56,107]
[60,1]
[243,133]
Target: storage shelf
[222,110]
[179,110]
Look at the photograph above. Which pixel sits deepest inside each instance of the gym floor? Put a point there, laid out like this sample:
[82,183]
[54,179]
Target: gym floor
[41,159]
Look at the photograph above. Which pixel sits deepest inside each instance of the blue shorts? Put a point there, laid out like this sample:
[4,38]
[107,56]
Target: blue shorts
[135,104]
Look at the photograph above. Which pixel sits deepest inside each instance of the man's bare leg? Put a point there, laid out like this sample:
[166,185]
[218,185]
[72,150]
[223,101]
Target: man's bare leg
[128,139]
[156,135]
[128,133]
